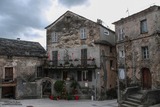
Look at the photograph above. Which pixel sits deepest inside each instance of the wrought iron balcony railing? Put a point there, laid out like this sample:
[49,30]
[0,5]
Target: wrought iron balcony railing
[71,63]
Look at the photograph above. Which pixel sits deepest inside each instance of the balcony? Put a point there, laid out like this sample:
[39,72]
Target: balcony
[72,64]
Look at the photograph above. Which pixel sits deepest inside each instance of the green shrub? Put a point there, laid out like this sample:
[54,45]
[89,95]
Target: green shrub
[59,86]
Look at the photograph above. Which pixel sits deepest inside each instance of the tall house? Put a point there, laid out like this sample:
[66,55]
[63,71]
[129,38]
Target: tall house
[82,50]
[138,48]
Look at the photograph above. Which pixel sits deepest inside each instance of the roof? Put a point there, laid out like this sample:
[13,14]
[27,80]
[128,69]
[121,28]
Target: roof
[150,9]
[52,24]
[11,47]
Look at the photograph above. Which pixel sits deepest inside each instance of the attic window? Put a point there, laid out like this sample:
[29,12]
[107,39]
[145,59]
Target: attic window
[68,18]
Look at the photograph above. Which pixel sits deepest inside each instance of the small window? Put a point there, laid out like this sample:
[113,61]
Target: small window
[143,26]
[83,33]
[39,72]
[54,37]
[121,54]
[145,52]
[121,34]
[106,32]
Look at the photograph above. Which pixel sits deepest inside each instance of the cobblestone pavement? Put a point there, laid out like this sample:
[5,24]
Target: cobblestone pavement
[59,103]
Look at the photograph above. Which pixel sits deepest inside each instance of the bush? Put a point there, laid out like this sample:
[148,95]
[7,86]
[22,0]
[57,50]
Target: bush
[59,86]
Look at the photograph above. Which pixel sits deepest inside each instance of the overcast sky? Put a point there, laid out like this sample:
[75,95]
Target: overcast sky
[26,19]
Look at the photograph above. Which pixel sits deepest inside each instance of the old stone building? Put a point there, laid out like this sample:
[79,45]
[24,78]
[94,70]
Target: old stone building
[138,52]
[82,50]
[18,66]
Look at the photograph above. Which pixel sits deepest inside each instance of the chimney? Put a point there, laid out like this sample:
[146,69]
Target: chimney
[99,21]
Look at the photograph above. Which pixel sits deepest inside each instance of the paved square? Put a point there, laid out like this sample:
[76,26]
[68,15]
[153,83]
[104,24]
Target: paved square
[59,103]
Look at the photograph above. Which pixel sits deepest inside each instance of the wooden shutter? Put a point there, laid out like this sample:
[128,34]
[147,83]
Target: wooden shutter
[83,57]
[55,57]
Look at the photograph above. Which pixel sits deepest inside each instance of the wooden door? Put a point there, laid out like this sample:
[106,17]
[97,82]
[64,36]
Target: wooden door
[146,78]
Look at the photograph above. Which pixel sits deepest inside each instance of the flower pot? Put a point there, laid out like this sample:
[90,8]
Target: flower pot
[76,97]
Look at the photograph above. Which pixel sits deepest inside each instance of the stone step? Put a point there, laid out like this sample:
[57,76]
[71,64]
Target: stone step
[131,103]
[126,105]
[134,100]
[136,96]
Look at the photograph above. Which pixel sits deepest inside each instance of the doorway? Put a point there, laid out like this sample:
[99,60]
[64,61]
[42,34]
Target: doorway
[146,78]
[8,92]
[46,88]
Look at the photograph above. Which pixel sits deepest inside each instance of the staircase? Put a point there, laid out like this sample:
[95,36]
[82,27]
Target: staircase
[133,100]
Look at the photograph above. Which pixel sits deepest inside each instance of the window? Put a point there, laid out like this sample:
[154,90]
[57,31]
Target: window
[39,72]
[79,75]
[55,58]
[54,37]
[8,73]
[143,26]
[106,32]
[121,54]
[84,75]
[121,34]
[145,52]
[65,75]
[83,33]
[84,57]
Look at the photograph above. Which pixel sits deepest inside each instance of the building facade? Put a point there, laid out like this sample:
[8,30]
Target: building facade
[18,66]
[82,50]
[138,49]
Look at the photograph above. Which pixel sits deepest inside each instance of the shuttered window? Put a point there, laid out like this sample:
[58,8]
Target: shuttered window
[84,57]
[55,58]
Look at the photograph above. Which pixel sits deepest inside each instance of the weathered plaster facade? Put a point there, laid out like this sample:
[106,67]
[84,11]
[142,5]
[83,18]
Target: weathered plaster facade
[98,43]
[18,66]
[133,43]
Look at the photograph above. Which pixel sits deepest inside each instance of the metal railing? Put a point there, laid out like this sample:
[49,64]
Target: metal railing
[70,63]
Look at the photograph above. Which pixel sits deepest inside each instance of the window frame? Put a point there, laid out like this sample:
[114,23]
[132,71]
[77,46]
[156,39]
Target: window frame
[120,34]
[121,54]
[83,34]
[54,37]
[143,26]
[145,52]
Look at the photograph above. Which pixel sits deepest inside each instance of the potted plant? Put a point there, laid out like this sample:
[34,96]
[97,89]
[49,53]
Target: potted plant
[75,85]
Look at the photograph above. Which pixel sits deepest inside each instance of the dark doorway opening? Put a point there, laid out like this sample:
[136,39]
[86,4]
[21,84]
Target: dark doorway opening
[46,88]
[8,92]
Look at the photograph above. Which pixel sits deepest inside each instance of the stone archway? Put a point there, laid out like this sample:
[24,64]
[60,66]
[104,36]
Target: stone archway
[46,87]
[146,78]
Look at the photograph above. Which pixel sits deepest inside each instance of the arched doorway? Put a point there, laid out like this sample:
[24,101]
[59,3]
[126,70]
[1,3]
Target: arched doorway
[46,88]
[146,78]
